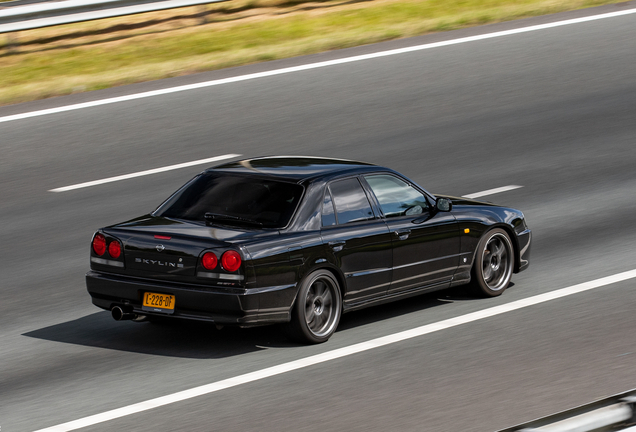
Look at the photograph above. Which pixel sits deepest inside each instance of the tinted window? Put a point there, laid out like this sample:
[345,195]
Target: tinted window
[396,197]
[351,202]
[328,215]
[269,202]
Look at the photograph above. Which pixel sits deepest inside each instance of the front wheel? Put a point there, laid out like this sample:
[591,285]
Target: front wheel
[494,261]
[318,307]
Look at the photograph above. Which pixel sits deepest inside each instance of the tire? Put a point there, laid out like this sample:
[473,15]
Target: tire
[318,308]
[493,264]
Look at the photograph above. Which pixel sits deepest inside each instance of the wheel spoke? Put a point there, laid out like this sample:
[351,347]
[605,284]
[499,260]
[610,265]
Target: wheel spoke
[487,271]
[327,299]
[310,316]
[318,322]
[496,247]
[310,299]
[496,276]
[504,254]
[324,287]
[486,256]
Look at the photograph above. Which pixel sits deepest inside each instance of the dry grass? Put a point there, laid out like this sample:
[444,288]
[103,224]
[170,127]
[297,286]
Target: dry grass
[100,54]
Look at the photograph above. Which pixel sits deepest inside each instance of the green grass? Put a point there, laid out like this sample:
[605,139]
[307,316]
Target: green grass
[89,56]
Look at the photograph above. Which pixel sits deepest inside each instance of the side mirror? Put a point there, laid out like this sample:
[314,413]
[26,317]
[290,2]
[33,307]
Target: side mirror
[444,205]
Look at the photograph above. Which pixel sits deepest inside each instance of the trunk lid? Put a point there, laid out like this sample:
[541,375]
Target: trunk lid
[169,249]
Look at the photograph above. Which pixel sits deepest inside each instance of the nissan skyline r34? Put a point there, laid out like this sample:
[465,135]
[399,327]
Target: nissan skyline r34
[300,240]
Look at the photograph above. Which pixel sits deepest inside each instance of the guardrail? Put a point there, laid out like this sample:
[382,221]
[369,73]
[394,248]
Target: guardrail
[71,11]
[615,413]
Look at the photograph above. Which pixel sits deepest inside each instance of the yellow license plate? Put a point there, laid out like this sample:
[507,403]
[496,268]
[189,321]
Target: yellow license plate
[158,302]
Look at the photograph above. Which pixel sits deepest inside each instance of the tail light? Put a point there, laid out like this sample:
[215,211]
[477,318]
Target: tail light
[209,261]
[102,243]
[114,249]
[231,261]
[99,244]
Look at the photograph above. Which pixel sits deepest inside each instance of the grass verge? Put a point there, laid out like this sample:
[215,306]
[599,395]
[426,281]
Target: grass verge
[100,54]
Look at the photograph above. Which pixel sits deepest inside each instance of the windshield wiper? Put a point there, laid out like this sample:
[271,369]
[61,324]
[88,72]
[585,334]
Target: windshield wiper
[215,217]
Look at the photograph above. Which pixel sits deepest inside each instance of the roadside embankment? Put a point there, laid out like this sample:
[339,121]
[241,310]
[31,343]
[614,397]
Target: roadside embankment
[100,54]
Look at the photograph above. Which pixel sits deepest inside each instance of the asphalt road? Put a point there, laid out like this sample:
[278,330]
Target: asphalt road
[553,111]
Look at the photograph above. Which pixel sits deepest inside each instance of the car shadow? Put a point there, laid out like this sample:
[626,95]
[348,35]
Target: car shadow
[202,340]
[178,338]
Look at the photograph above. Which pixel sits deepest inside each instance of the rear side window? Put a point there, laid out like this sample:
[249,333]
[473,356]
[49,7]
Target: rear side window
[352,204]
[328,214]
[268,202]
[396,197]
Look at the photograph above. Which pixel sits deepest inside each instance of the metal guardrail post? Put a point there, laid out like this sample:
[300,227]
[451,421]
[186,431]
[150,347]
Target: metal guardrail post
[203,14]
[12,42]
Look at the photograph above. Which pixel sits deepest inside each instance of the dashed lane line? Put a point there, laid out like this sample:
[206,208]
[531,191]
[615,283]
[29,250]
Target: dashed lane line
[144,173]
[492,191]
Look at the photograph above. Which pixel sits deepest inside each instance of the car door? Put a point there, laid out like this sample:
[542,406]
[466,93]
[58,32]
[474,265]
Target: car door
[426,242]
[357,239]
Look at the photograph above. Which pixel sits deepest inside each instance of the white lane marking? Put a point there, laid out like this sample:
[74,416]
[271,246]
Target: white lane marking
[315,65]
[491,191]
[337,353]
[144,173]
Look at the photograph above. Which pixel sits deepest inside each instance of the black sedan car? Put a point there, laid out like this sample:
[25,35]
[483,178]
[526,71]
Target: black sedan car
[300,240]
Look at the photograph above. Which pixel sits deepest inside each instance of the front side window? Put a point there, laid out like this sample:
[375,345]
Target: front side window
[263,202]
[352,204]
[396,197]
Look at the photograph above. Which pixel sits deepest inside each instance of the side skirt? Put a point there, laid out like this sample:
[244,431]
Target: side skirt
[461,278]
[348,307]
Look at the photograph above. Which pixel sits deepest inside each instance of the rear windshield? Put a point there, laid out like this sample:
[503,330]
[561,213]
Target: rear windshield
[268,202]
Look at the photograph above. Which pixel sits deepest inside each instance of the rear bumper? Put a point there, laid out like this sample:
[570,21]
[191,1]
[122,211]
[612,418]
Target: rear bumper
[244,307]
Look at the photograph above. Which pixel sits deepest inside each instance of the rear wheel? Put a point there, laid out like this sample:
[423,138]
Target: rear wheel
[318,308]
[494,261]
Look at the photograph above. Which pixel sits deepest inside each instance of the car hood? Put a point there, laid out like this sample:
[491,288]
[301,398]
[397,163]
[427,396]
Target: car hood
[466,201]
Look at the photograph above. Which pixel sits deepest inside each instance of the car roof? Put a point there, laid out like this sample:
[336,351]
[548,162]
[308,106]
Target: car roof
[295,168]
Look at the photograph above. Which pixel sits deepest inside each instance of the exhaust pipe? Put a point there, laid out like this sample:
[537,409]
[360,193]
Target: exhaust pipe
[120,315]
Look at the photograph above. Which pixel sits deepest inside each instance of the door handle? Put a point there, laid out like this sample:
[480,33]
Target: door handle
[337,245]
[403,234]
